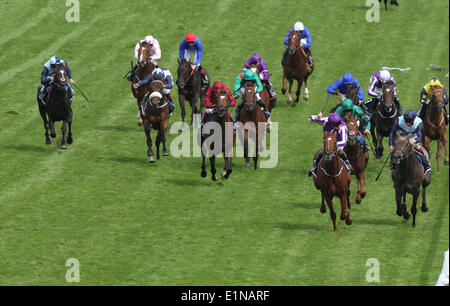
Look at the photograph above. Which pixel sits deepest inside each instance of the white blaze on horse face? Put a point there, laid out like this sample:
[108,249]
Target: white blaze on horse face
[388,90]
[62,76]
[253,69]
[140,56]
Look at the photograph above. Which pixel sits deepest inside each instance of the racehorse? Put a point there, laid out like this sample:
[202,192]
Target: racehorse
[264,94]
[189,88]
[155,115]
[252,113]
[57,108]
[384,117]
[434,125]
[141,69]
[408,176]
[356,157]
[352,94]
[220,116]
[295,68]
[332,179]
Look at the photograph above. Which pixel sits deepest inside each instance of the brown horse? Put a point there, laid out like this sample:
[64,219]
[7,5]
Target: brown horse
[295,68]
[352,94]
[141,69]
[434,125]
[189,88]
[220,116]
[57,108]
[384,117]
[264,94]
[408,176]
[252,113]
[332,179]
[155,115]
[356,157]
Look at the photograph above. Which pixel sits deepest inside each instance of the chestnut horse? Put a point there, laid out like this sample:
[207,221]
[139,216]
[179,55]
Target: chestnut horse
[141,69]
[252,113]
[189,88]
[295,68]
[434,125]
[220,116]
[155,115]
[384,117]
[408,176]
[356,156]
[57,108]
[265,92]
[332,179]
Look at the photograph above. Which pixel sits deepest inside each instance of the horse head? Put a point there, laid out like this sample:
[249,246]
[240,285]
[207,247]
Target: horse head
[184,72]
[330,147]
[388,95]
[221,103]
[294,41]
[249,95]
[402,147]
[352,129]
[352,93]
[143,52]
[437,101]
[60,79]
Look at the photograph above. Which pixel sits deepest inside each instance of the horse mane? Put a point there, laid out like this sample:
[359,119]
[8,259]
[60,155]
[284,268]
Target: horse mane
[389,82]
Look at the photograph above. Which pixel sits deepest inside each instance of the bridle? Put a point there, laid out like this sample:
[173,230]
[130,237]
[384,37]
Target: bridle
[295,35]
[221,111]
[405,152]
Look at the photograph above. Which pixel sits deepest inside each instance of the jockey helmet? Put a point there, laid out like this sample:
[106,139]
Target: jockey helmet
[190,37]
[298,26]
[347,104]
[435,82]
[334,119]
[157,74]
[348,78]
[255,58]
[149,39]
[385,75]
[409,116]
[54,60]
[249,75]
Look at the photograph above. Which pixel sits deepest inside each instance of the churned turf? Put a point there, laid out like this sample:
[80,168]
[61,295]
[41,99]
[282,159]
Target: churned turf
[129,222]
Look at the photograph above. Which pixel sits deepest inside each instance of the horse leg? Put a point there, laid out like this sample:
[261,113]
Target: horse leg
[51,126]
[150,153]
[182,100]
[63,132]
[424,207]
[406,215]
[332,212]
[203,173]
[44,117]
[444,142]
[247,159]
[306,93]
[158,142]
[289,97]
[345,214]
[283,89]
[69,135]
[362,177]
[358,192]
[212,161]
[398,200]
[380,145]
[413,207]
[323,208]
[299,88]
[227,169]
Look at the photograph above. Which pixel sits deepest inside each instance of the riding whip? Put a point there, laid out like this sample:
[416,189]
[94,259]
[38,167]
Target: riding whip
[370,145]
[323,108]
[84,96]
[383,167]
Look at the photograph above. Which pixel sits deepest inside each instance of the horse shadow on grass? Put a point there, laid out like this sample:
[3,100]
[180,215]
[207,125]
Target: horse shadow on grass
[26,148]
[117,128]
[299,226]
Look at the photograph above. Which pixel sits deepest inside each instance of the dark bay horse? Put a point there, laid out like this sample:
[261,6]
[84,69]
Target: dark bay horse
[57,108]
[384,117]
[189,88]
[251,113]
[434,127]
[220,116]
[332,179]
[408,176]
[264,93]
[141,69]
[352,94]
[155,115]
[295,68]
[356,157]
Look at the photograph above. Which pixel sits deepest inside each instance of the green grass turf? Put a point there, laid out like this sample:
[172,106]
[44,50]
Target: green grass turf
[129,222]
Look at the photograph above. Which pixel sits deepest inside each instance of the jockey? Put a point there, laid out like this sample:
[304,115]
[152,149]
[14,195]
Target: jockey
[343,85]
[425,98]
[376,91]
[48,74]
[263,73]
[211,94]
[334,124]
[347,107]
[305,41]
[248,75]
[155,49]
[410,123]
[164,75]
[192,45]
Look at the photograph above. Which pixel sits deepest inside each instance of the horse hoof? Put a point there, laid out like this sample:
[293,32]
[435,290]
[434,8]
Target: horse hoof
[48,141]
[406,216]
[413,226]
[358,201]
[323,210]
[283,91]
[446,163]
[203,174]
[342,218]
[70,140]
[165,153]
[52,135]
[214,178]
[399,212]
[424,208]
[139,123]
[151,159]
[348,221]
[363,195]
[224,175]
[63,147]
[247,164]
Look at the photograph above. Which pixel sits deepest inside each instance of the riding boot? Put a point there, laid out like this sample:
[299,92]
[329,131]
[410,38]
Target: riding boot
[446,115]
[310,60]
[266,112]
[171,104]
[315,163]
[363,143]
[426,165]
[422,110]
[394,2]
[344,158]
[204,77]
[271,91]
[238,114]
[399,107]
[70,93]
[41,93]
